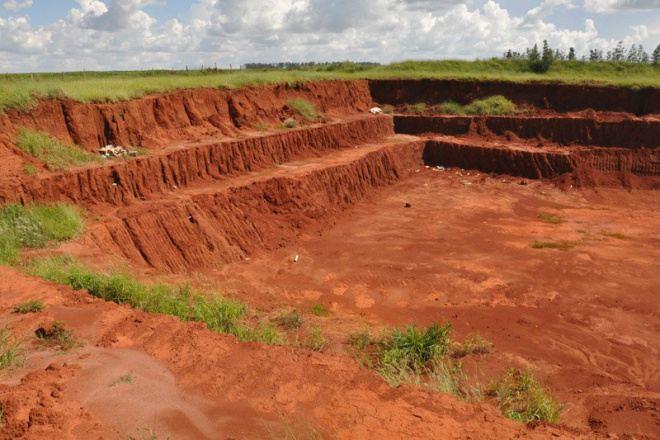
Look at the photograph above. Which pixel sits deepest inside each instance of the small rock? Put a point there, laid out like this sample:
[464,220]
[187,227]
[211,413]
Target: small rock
[408,205]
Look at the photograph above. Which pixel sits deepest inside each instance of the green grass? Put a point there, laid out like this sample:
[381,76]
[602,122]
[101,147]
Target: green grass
[473,344]
[317,341]
[561,245]
[414,347]
[523,399]
[30,170]
[550,218]
[22,91]
[493,105]
[305,109]
[35,306]
[218,313]
[9,348]
[320,310]
[55,155]
[35,227]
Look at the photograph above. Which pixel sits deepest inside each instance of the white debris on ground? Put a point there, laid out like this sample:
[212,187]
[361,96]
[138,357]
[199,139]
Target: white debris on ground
[376,111]
[109,151]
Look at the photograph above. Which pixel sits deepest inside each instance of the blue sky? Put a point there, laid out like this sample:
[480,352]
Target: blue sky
[60,35]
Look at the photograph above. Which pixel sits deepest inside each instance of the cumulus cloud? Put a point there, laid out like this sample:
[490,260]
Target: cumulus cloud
[14,5]
[121,34]
[601,6]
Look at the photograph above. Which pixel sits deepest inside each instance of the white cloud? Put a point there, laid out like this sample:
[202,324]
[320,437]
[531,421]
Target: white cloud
[601,6]
[120,34]
[14,5]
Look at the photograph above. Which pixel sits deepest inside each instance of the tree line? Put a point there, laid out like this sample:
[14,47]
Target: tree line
[540,60]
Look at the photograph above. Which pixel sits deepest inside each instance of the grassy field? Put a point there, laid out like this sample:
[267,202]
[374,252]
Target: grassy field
[22,91]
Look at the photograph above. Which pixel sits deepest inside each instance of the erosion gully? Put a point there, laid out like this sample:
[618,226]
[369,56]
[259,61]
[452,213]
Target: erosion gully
[226,198]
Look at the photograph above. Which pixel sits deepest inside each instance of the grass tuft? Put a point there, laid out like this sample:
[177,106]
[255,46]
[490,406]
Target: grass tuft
[30,170]
[494,105]
[317,341]
[305,109]
[218,313]
[126,378]
[9,348]
[55,155]
[473,344]
[523,399]
[320,310]
[35,306]
[36,227]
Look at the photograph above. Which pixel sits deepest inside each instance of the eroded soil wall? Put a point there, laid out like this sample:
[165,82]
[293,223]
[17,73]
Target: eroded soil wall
[137,179]
[626,133]
[559,97]
[224,226]
[158,120]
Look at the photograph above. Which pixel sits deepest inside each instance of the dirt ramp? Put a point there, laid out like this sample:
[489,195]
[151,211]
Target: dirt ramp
[559,97]
[157,121]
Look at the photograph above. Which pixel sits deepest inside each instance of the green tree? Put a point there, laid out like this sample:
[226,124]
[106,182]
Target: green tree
[571,54]
[656,55]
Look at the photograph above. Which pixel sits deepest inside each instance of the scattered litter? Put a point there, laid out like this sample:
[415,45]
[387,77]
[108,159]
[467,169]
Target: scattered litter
[109,151]
[427,167]
[465,182]
[295,259]
[114,184]
[175,187]
[459,174]
[376,111]
[417,171]
[408,205]
[441,168]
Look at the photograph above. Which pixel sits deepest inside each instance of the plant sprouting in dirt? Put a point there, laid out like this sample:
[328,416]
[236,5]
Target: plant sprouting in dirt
[10,348]
[473,344]
[289,320]
[317,341]
[34,306]
[555,220]
[125,379]
[57,336]
[523,399]
[560,245]
[320,310]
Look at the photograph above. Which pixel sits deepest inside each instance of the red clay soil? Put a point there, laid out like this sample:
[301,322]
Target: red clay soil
[228,207]
[189,382]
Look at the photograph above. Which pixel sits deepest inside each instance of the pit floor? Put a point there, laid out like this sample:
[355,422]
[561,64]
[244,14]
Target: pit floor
[586,319]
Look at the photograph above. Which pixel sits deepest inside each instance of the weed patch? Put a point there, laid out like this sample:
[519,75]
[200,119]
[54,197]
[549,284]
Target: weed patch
[55,155]
[289,321]
[317,341]
[35,306]
[523,399]
[218,313]
[473,344]
[320,310]
[616,235]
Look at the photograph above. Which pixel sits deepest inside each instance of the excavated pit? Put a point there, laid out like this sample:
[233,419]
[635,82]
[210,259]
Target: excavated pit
[222,196]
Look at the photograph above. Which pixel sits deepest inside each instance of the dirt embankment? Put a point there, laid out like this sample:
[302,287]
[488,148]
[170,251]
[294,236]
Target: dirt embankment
[163,119]
[210,227]
[565,131]
[137,179]
[558,97]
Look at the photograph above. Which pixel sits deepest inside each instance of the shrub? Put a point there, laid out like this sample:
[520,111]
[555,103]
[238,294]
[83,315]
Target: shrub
[57,336]
[55,155]
[494,105]
[35,306]
[473,344]
[452,108]
[305,109]
[523,399]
